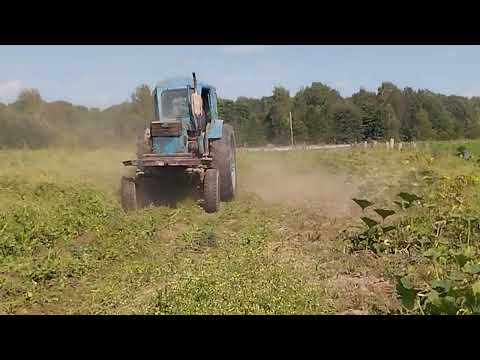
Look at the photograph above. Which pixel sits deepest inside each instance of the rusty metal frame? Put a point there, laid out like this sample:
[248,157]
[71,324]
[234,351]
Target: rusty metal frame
[158,160]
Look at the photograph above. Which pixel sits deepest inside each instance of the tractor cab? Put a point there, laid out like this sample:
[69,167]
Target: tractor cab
[185,114]
[177,100]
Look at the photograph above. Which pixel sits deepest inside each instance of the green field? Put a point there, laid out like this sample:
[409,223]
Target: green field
[292,241]
[451,146]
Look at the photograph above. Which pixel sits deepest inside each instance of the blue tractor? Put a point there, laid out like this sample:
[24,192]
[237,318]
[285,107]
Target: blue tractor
[186,144]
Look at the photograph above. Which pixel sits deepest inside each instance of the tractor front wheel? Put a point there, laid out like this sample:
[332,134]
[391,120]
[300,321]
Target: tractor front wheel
[128,193]
[211,191]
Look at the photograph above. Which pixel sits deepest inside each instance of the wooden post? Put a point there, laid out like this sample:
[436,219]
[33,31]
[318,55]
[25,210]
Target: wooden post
[291,128]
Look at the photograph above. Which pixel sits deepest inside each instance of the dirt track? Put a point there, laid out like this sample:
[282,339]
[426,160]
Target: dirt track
[293,148]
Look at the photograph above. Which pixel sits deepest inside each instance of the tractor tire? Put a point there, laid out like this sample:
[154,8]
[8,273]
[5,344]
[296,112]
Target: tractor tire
[128,193]
[211,190]
[142,192]
[224,160]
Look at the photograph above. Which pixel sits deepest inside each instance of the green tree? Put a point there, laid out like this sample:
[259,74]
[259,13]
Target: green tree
[278,116]
[300,131]
[315,104]
[347,120]
[143,102]
[29,101]
[372,122]
[388,93]
[423,125]
[254,132]
[409,129]
[390,121]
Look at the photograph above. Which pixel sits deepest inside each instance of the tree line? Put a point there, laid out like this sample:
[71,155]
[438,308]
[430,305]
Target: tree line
[320,115]
[32,122]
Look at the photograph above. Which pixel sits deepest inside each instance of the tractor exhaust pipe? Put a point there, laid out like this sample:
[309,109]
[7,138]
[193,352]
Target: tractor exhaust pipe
[194,82]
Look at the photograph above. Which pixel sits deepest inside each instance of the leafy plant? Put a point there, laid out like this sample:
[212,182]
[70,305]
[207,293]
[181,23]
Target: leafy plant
[463,152]
[384,213]
[363,203]
[369,222]
[439,271]
[376,236]
[408,199]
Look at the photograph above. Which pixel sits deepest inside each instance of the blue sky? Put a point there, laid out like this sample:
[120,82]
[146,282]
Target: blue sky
[101,76]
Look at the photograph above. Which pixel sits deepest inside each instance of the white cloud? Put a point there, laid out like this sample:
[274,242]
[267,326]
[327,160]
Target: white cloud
[243,49]
[9,89]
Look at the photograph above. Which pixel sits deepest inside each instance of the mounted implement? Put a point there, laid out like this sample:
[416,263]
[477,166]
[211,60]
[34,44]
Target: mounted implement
[187,144]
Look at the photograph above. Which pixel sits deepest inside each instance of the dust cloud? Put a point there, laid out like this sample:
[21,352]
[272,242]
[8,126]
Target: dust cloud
[317,190]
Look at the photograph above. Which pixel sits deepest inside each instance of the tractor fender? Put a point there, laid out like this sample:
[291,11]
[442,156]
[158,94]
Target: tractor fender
[215,129]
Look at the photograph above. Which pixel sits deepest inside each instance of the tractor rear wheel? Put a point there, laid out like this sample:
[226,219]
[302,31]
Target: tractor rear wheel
[142,192]
[128,193]
[224,159]
[211,191]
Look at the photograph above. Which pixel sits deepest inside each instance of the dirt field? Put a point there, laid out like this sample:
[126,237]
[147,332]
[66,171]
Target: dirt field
[67,247]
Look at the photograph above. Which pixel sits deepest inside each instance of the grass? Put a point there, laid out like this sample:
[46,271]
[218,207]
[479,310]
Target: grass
[67,247]
[451,146]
